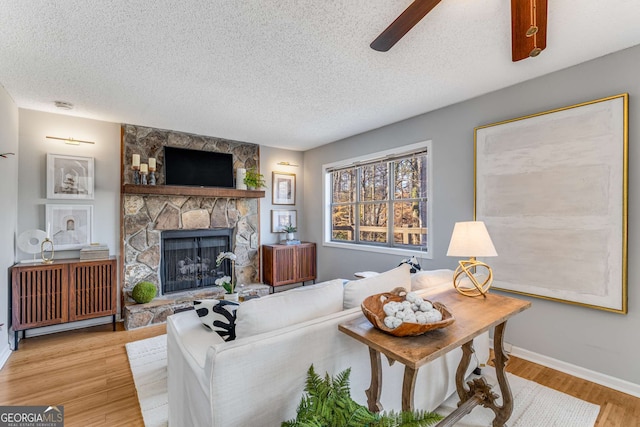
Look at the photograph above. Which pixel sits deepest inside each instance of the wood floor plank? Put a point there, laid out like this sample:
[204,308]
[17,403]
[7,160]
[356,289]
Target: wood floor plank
[87,371]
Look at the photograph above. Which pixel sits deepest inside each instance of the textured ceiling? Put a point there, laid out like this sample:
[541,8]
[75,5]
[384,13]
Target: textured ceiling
[284,73]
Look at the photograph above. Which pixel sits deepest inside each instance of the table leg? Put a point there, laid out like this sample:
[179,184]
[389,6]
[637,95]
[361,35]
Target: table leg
[501,358]
[374,390]
[408,386]
[479,391]
[463,392]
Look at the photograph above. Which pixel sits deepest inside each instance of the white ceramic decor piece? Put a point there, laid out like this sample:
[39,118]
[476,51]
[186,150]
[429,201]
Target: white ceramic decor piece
[240,174]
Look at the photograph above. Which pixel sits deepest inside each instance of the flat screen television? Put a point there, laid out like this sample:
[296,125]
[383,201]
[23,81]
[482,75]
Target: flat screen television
[199,168]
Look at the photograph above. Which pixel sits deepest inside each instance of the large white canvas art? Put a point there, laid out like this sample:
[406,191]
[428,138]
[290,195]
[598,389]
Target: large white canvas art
[552,190]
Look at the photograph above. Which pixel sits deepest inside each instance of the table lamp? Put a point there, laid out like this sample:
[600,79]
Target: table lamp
[471,239]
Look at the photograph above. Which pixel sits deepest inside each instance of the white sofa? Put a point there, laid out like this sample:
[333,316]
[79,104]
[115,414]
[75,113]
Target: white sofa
[258,379]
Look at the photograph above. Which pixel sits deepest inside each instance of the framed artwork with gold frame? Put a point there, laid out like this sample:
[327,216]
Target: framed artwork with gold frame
[552,189]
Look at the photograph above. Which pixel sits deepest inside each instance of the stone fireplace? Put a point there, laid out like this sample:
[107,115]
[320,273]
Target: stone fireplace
[147,216]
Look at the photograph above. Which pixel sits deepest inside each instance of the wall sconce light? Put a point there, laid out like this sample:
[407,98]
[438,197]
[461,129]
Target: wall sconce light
[287,164]
[71,141]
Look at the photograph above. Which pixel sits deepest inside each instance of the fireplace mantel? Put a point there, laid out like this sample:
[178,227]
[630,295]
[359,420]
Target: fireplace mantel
[179,190]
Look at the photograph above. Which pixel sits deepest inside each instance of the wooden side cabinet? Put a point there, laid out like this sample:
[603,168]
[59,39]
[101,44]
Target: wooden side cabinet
[287,264]
[64,291]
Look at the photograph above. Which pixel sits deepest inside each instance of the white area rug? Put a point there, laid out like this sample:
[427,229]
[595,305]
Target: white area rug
[534,405]
[148,361]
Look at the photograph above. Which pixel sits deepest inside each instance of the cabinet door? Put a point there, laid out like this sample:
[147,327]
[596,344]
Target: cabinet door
[39,296]
[306,261]
[92,289]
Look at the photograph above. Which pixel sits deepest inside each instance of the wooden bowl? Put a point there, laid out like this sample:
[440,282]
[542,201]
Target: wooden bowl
[372,309]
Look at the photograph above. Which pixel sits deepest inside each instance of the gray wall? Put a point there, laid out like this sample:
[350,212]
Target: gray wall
[34,127]
[9,210]
[269,158]
[592,339]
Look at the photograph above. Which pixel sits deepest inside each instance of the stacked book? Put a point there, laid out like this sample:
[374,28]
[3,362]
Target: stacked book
[290,242]
[94,251]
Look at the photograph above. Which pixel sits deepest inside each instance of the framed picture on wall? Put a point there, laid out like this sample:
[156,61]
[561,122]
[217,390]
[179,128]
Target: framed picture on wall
[284,188]
[281,219]
[69,226]
[69,177]
[552,189]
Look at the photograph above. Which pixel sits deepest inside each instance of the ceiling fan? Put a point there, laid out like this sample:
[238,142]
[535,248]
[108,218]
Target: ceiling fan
[528,27]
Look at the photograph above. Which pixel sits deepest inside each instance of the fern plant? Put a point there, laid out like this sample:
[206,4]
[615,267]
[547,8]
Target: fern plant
[327,403]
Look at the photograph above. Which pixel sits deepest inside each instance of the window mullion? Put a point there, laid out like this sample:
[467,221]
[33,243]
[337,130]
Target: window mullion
[358,204]
[391,192]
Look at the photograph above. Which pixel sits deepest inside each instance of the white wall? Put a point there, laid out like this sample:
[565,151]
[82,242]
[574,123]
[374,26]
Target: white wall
[34,127]
[9,210]
[592,339]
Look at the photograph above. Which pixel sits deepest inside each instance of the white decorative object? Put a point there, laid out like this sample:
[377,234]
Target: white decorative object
[240,174]
[30,241]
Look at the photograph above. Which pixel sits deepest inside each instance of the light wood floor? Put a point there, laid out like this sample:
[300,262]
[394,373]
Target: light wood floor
[87,371]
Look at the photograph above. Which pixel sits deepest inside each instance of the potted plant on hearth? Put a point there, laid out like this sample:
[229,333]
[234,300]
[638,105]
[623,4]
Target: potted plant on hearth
[254,180]
[227,282]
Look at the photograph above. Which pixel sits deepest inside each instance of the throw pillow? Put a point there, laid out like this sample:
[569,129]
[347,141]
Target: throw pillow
[218,316]
[355,291]
[287,308]
[413,263]
[431,278]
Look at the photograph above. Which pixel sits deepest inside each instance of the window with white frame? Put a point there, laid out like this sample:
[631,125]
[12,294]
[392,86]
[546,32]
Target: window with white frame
[380,201]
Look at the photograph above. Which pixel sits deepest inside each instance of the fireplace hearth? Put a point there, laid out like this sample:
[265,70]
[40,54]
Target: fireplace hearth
[188,258]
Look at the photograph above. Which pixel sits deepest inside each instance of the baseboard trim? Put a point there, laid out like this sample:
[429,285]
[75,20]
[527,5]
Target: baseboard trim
[578,371]
[4,355]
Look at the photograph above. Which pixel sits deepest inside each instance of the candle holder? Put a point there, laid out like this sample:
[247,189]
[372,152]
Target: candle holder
[136,175]
[143,178]
[46,246]
[152,176]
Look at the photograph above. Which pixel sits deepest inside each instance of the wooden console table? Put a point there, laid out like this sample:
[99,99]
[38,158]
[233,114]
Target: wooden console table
[64,291]
[287,264]
[473,317]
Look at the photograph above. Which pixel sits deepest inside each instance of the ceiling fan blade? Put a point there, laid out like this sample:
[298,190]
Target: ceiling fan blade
[528,28]
[403,23]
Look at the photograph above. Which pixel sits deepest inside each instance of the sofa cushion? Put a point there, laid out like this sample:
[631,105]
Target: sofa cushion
[287,308]
[431,278]
[355,291]
[218,316]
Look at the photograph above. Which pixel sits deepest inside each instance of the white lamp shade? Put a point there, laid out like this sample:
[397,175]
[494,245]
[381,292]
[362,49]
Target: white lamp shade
[471,239]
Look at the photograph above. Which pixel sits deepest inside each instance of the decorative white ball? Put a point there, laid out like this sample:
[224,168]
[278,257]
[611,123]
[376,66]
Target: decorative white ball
[410,318]
[392,322]
[418,301]
[433,316]
[400,314]
[421,318]
[415,307]
[411,296]
[405,305]
[426,306]
[390,309]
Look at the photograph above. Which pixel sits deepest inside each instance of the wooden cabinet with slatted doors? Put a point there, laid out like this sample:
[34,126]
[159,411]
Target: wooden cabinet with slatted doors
[64,291]
[288,264]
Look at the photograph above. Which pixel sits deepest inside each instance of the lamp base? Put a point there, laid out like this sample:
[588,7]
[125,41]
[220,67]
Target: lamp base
[477,289]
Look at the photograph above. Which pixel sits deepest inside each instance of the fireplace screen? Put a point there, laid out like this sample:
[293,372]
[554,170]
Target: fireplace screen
[189,258]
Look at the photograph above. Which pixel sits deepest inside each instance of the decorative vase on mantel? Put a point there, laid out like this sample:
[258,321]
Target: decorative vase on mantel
[290,236]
